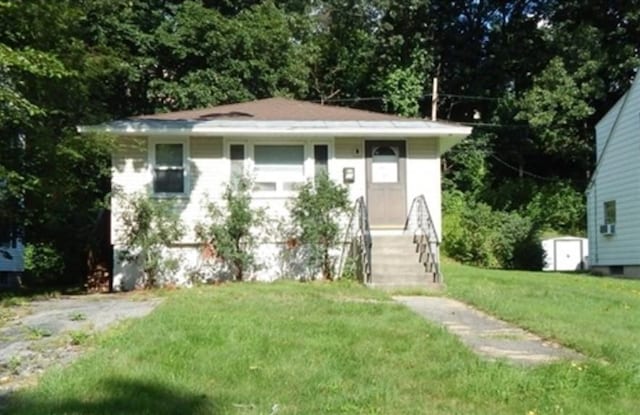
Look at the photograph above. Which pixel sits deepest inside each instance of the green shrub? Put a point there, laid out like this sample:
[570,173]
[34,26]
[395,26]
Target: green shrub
[43,264]
[475,234]
[317,213]
[232,233]
[149,226]
[558,207]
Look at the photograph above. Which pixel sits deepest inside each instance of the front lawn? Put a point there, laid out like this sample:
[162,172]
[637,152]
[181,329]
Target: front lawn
[597,316]
[293,348]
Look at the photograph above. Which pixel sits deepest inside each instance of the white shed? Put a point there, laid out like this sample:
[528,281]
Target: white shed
[565,253]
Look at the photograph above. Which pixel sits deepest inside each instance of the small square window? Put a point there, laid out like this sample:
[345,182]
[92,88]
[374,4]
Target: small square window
[610,212]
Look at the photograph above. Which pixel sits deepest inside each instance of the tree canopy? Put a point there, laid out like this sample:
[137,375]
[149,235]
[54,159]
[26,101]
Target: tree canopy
[538,73]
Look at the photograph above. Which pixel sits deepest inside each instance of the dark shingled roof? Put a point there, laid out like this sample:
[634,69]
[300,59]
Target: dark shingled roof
[275,109]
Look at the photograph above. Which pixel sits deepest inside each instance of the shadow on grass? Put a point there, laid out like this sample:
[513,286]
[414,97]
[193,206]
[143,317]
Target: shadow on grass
[116,396]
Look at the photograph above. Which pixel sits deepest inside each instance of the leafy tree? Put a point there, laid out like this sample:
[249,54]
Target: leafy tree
[317,212]
[231,233]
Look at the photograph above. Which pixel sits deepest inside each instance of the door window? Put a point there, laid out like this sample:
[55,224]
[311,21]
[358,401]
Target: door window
[384,164]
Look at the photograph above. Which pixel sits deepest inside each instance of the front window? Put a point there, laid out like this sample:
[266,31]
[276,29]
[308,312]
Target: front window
[168,169]
[278,167]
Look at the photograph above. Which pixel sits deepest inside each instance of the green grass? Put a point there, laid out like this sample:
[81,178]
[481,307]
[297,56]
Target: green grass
[292,348]
[597,316]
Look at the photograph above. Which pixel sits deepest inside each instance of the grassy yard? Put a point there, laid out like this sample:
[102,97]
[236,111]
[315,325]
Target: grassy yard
[597,316]
[293,348]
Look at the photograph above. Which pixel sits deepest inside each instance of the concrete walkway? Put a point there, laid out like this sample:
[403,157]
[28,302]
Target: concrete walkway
[486,335]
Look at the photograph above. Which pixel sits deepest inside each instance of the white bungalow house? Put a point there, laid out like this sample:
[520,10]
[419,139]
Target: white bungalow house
[613,195]
[190,155]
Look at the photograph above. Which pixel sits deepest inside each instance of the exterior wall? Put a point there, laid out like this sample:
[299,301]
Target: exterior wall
[628,271]
[208,169]
[617,179]
[16,263]
[424,177]
[349,152]
[603,127]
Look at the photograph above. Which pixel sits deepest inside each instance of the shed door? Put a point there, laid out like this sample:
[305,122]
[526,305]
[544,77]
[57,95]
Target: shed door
[568,255]
[386,183]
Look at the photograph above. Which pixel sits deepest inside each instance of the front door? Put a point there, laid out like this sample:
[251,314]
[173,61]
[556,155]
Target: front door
[386,183]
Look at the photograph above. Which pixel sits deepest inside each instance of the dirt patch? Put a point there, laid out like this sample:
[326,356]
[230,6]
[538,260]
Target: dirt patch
[52,332]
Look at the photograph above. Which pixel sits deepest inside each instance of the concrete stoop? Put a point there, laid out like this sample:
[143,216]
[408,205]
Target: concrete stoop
[395,264]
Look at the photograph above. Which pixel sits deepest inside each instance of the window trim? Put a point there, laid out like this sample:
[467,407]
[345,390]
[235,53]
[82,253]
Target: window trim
[152,142]
[604,212]
[249,153]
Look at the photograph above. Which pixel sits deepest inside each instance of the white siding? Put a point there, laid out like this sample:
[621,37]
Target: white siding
[617,179]
[349,152]
[603,127]
[208,174]
[423,176]
[129,174]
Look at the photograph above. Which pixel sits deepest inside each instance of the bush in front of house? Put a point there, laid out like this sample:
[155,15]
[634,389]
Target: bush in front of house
[317,213]
[43,264]
[148,227]
[231,233]
[477,235]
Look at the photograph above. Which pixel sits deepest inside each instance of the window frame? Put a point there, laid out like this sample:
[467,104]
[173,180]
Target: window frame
[308,160]
[153,142]
[605,211]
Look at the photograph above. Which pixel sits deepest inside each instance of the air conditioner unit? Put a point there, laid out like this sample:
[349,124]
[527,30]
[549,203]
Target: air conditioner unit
[608,229]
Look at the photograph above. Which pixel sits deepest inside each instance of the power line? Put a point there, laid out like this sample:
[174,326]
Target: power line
[536,176]
[357,99]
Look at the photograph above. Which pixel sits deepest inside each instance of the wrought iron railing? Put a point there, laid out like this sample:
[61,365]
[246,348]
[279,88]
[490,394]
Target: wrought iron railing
[425,237]
[356,248]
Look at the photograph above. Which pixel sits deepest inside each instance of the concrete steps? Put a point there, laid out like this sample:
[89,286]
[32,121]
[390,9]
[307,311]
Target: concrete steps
[395,264]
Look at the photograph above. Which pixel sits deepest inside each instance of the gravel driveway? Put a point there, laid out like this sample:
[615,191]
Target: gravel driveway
[52,332]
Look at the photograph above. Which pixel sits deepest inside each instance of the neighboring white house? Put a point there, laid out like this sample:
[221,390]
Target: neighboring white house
[11,256]
[190,155]
[613,195]
[565,253]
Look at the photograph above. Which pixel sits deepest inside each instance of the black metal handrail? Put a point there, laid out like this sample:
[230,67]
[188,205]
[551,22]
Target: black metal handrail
[357,241]
[425,235]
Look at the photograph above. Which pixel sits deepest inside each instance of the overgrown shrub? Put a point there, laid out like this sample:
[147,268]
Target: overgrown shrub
[317,213]
[231,233]
[43,264]
[555,206]
[475,234]
[558,207]
[149,226]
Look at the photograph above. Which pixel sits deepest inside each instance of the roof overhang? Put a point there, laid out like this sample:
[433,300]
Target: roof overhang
[450,134]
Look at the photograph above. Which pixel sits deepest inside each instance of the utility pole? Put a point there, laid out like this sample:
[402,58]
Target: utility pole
[434,100]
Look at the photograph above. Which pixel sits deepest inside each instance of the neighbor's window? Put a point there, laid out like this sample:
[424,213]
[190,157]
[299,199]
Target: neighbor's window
[278,167]
[168,169]
[610,212]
